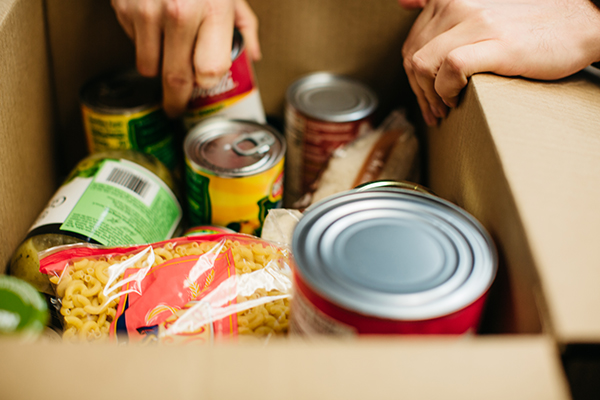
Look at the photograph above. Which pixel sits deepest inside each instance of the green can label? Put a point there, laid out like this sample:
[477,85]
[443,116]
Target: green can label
[115,202]
[149,131]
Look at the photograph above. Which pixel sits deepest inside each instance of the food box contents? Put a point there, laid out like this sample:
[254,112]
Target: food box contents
[323,112]
[391,152]
[391,261]
[118,197]
[236,96]
[234,173]
[190,289]
[279,225]
[23,311]
[122,110]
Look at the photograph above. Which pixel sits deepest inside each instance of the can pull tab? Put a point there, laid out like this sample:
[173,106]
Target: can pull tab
[261,141]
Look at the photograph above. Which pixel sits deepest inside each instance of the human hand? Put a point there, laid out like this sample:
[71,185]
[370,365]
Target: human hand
[187,42]
[454,39]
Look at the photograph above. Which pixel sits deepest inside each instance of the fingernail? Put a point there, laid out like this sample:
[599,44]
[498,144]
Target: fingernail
[429,119]
[436,111]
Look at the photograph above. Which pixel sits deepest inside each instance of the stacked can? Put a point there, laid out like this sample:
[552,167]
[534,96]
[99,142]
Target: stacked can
[122,110]
[234,173]
[323,112]
[236,96]
[390,261]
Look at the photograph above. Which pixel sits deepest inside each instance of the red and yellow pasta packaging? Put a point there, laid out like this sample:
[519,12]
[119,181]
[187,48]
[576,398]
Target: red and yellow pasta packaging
[189,289]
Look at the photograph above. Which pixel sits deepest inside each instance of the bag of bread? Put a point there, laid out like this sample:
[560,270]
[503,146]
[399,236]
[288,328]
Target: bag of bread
[190,289]
[389,152]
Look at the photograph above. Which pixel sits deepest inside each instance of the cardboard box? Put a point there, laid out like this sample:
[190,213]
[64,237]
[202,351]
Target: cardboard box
[519,155]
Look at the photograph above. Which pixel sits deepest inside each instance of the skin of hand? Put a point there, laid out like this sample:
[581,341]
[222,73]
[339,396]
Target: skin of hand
[454,39]
[187,42]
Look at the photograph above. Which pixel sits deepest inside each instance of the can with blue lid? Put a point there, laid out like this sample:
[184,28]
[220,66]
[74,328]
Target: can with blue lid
[390,262]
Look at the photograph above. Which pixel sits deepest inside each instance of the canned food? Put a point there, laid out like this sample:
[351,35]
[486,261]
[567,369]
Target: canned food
[390,262]
[390,185]
[323,112]
[206,230]
[236,96]
[234,173]
[122,110]
[23,311]
[118,197]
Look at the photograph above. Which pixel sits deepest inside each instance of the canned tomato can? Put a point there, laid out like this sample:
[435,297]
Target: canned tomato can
[323,112]
[122,111]
[390,262]
[236,96]
[234,173]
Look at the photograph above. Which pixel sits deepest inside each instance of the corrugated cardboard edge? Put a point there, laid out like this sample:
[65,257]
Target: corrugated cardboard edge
[547,135]
[522,368]
[26,98]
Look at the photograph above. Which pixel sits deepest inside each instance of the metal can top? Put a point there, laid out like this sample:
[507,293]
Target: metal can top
[233,148]
[394,255]
[121,92]
[391,185]
[332,98]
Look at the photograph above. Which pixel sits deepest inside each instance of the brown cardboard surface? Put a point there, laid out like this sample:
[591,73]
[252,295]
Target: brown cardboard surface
[547,135]
[465,168]
[468,159]
[85,40]
[522,368]
[26,121]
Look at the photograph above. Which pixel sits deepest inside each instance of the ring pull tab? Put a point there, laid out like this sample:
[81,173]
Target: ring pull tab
[261,140]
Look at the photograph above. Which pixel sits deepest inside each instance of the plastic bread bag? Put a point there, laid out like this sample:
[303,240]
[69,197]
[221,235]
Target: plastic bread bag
[389,152]
[190,289]
[279,225]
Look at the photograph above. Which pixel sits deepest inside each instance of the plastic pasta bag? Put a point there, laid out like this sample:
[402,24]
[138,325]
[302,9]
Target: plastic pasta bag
[196,288]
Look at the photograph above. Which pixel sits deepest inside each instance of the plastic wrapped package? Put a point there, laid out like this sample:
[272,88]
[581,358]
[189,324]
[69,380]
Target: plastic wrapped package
[279,225]
[390,152]
[189,289]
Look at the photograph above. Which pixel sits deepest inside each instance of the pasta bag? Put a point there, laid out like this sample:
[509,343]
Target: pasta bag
[190,289]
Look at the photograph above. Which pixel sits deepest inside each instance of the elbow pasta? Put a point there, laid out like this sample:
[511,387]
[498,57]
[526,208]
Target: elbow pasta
[89,288]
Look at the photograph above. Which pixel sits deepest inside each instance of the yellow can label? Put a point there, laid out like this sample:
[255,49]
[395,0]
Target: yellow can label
[238,203]
[148,131]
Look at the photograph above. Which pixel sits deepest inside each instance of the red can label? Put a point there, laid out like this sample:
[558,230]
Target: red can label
[236,96]
[310,145]
[313,315]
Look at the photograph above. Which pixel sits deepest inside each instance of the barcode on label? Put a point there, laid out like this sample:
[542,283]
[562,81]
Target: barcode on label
[128,180]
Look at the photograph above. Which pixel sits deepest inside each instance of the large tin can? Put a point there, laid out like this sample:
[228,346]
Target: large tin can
[323,112]
[390,262]
[234,173]
[122,110]
[236,96]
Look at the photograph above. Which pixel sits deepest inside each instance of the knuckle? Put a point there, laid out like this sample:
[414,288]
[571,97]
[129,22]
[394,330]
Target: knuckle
[421,66]
[455,63]
[176,80]
[407,63]
[177,12]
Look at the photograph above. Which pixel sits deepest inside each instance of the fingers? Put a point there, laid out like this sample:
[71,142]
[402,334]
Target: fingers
[412,4]
[463,62]
[247,23]
[148,38]
[180,31]
[212,53]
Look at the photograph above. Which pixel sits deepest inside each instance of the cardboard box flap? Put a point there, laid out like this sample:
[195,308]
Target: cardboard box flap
[468,368]
[547,135]
[26,121]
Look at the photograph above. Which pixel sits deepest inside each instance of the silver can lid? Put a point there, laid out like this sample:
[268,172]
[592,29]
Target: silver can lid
[122,92]
[233,148]
[394,255]
[333,98]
